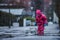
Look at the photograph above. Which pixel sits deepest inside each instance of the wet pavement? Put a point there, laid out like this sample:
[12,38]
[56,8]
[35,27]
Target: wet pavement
[34,38]
[51,32]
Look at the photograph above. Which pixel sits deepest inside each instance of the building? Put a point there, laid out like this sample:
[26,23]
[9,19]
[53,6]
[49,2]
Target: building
[16,7]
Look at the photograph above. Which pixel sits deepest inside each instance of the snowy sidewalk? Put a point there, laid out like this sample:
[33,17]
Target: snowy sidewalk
[50,30]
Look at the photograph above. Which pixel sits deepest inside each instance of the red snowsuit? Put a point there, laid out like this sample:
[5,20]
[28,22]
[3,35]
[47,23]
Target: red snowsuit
[40,20]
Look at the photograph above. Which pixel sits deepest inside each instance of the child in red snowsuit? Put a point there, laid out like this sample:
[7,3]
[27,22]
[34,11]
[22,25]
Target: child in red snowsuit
[40,20]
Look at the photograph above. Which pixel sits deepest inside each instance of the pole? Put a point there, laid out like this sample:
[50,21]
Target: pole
[9,13]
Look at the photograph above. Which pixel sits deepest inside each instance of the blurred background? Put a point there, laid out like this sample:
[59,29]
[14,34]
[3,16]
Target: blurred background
[18,16]
[17,10]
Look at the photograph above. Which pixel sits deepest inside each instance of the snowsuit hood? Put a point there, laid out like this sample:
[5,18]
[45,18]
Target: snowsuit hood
[38,12]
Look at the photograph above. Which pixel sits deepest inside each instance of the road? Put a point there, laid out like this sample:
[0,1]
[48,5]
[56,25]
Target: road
[51,32]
